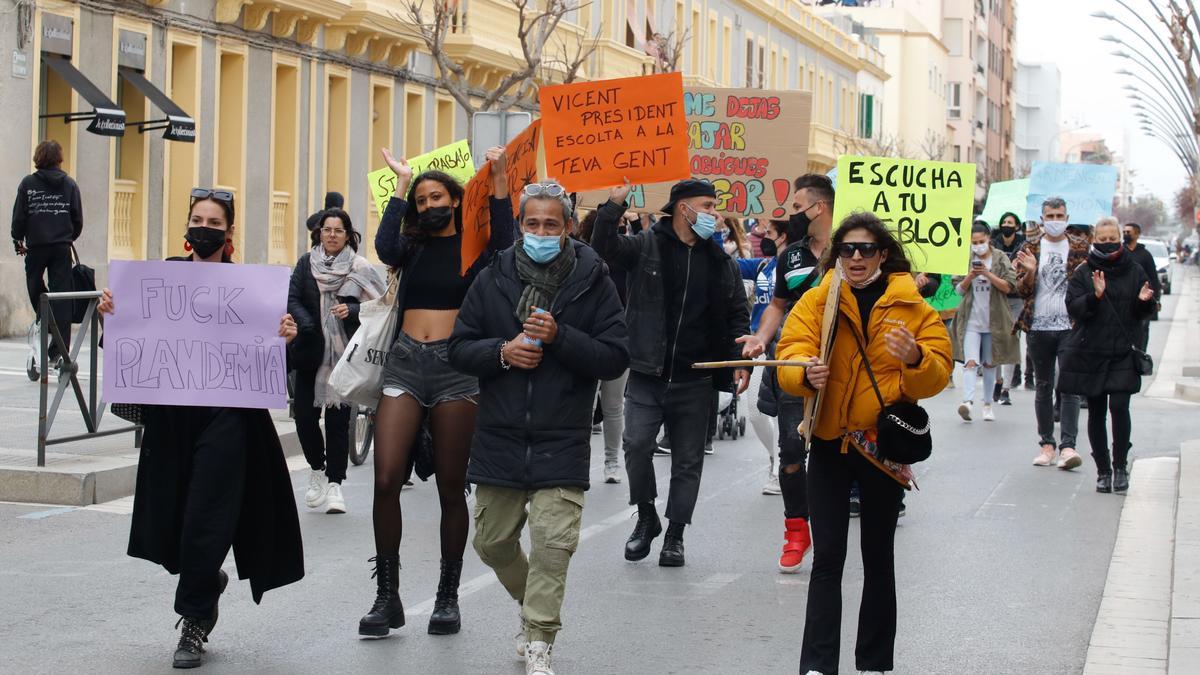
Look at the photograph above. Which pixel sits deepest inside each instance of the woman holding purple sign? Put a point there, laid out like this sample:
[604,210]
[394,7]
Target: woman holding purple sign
[211,478]
[421,237]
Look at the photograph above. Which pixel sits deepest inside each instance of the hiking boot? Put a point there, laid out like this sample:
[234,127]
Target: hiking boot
[210,624]
[648,527]
[796,542]
[188,654]
[672,550]
[388,611]
[445,619]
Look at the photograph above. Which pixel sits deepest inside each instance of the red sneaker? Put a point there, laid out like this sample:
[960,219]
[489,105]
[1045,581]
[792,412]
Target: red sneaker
[797,541]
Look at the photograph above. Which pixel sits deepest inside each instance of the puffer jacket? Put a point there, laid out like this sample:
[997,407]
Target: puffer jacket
[533,429]
[850,402]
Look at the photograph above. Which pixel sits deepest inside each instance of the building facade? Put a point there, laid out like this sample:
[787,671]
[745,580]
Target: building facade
[280,101]
[1038,120]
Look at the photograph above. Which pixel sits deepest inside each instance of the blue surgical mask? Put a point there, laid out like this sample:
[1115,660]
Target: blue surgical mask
[705,224]
[542,249]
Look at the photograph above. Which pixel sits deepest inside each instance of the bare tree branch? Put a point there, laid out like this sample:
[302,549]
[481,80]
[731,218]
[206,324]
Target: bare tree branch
[934,146]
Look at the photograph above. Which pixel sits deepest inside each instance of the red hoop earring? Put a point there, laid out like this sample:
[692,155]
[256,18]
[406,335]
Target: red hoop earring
[187,246]
[229,248]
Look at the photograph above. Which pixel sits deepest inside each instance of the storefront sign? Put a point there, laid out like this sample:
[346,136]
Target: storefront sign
[131,50]
[926,205]
[57,32]
[20,64]
[108,122]
[180,129]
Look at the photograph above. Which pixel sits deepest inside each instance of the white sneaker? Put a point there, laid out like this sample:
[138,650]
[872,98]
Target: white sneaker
[334,503]
[964,411]
[988,415]
[612,474]
[318,485]
[771,487]
[537,659]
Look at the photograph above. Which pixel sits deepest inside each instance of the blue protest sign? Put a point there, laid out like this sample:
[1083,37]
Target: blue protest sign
[1087,188]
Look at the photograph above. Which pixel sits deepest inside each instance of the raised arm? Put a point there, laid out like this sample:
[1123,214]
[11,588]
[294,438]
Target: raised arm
[618,250]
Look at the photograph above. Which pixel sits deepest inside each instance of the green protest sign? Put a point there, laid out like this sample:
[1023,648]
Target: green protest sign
[946,298]
[927,206]
[1005,197]
[454,159]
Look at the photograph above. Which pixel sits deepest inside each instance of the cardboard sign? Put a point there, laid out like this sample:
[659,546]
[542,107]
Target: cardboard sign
[598,134]
[521,169]
[196,334]
[927,206]
[1088,190]
[454,159]
[749,143]
[1005,197]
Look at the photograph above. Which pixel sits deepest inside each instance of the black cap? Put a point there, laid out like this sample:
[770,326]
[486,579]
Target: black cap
[689,188]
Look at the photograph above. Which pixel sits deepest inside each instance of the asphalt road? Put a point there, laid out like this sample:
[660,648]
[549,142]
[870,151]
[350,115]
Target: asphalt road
[1000,567]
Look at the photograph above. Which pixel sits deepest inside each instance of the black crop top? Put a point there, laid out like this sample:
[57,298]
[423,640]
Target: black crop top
[433,280]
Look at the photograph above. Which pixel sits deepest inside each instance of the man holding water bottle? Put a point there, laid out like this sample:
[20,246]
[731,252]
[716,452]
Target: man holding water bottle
[540,328]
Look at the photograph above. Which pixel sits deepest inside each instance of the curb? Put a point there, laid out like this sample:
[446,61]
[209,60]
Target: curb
[1184,655]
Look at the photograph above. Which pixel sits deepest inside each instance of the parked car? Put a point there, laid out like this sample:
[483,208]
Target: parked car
[1162,262]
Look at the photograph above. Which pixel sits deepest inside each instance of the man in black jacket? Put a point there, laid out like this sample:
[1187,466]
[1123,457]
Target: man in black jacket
[686,304]
[47,219]
[1144,259]
[540,328]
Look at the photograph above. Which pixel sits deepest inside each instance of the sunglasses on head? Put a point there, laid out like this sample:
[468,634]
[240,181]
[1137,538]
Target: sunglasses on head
[205,193]
[539,189]
[867,249]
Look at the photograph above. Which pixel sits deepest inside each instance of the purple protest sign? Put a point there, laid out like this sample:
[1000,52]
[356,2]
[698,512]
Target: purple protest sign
[203,334]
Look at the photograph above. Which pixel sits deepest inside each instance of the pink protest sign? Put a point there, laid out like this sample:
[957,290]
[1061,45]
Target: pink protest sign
[203,334]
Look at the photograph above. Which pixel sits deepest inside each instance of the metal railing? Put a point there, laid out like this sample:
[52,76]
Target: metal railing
[90,406]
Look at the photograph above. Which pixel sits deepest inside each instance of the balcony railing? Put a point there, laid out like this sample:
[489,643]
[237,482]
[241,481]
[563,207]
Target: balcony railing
[124,200]
[279,223]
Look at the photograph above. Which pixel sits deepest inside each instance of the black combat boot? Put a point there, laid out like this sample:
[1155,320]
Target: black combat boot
[648,527]
[388,611]
[672,550]
[445,619]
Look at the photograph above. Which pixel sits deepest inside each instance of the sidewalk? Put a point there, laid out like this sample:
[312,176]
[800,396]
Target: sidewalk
[1149,618]
[77,473]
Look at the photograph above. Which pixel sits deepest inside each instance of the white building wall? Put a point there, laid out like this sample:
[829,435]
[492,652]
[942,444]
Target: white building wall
[1038,106]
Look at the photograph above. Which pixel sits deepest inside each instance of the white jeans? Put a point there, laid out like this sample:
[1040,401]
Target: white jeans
[612,407]
[977,351]
[765,427]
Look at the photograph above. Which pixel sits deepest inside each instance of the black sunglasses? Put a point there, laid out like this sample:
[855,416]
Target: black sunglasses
[867,249]
[205,193]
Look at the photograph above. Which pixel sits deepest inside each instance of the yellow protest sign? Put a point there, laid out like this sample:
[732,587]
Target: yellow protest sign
[927,205]
[454,159]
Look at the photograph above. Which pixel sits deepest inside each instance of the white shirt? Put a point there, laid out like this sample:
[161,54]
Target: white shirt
[980,320]
[1050,303]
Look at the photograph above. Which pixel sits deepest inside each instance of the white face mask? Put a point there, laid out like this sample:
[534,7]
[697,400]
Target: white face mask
[1055,228]
[979,249]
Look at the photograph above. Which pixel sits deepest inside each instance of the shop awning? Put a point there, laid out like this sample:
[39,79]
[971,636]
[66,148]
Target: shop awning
[178,124]
[107,119]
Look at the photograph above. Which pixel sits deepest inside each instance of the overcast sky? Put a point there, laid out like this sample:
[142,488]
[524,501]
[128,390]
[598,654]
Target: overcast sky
[1061,31]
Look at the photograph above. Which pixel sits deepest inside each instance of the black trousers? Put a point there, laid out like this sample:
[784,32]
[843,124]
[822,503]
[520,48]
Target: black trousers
[684,409]
[829,476]
[1098,408]
[792,486]
[331,452]
[55,259]
[211,510]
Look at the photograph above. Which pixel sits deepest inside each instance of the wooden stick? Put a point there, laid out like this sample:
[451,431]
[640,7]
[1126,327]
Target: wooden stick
[750,363]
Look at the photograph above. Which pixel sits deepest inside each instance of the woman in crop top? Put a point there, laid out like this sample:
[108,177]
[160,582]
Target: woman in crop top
[421,237]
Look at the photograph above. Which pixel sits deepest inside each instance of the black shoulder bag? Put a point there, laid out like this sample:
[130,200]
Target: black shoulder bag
[1142,363]
[902,428]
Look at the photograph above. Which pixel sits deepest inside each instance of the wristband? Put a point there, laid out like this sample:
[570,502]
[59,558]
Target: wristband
[504,364]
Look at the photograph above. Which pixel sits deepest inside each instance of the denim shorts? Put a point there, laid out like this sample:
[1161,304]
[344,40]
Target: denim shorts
[422,370]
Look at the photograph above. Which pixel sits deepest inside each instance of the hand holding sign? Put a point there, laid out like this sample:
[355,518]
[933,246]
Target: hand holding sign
[620,193]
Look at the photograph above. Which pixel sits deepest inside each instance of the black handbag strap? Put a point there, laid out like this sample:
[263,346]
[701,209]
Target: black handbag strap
[866,364]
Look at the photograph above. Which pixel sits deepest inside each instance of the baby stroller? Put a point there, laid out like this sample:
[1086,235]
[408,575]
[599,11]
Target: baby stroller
[730,423]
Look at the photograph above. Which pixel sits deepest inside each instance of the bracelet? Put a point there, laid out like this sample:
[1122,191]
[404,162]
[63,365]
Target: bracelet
[504,364]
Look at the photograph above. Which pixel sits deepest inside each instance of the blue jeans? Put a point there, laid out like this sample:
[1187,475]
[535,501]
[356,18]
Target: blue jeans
[1047,348]
[684,409]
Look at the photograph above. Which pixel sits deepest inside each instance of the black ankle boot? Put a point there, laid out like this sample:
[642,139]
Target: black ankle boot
[445,619]
[188,654]
[1104,482]
[388,611]
[648,527]
[672,550]
[1120,481]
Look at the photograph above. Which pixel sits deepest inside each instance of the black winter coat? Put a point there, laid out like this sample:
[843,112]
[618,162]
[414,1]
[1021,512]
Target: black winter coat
[533,429]
[646,304]
[1099,354]
[304,304]
[48,209]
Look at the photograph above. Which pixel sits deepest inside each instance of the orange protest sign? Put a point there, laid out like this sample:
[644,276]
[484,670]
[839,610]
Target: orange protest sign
[597,134]
[520,169]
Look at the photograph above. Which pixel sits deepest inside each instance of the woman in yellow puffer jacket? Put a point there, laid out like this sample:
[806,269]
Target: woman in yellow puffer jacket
[881,310]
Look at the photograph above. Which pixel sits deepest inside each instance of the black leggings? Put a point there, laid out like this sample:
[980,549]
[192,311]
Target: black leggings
[1098,407]
[452,423]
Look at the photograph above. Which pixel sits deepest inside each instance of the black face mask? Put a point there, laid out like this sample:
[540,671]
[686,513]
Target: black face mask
[1008,232]
[1128,238]
[769,248]
[1107,253]
[798,225]
[205,241]
[435,218]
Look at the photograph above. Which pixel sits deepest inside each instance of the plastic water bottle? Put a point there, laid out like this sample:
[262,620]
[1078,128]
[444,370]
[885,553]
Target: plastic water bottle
[534,341]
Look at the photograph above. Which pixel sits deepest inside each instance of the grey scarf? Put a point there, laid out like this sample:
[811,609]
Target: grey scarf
[541,281]
[347,275]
